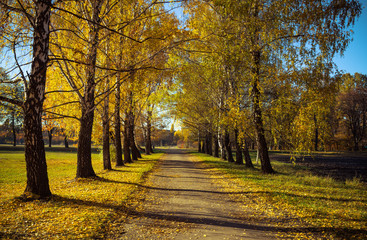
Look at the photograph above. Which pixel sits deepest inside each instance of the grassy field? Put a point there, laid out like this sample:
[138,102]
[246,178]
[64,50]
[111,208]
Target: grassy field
[300,204]
[79,209]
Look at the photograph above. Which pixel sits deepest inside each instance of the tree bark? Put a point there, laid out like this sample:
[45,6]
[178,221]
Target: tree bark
[106,132]
[50,137]
[216,146]
[134,150]
[117,125]
[35,157]
[316,133]
[66,141]
[84,163]
[227,144]
[127,157]
[199,143]
[209,144]
[239,158]
[148,140]
[259,127]
[222,147]
[246,153]
[203,147]
[13,130]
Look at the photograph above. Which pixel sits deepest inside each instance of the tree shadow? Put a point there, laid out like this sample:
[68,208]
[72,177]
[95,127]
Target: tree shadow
[75,201]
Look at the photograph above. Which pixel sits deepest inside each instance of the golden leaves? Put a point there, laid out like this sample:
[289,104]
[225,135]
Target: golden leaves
[79,209]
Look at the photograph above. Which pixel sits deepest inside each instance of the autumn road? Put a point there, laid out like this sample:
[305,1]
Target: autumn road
[182,202]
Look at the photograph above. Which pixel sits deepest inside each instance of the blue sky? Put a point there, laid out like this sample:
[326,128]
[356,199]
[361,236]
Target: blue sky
[355,57]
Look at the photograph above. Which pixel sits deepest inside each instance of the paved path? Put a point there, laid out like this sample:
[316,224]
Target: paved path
[182,202]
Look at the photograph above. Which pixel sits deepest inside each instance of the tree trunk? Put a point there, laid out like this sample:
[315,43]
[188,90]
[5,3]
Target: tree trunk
[356,147]
[106,132]
[37,178]
[127,157]
[50,137]
[203,147]
[316,133]
[246,153]
[239,158]
[131,137]
[84,163]
[66,141]
[221,146]
[13,130]
[259,127]
[208,144]
[117,125]
[199,143]
[227,144]
[148,138]
[216,146]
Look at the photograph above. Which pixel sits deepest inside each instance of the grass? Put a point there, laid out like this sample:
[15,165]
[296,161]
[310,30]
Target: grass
[79,209]
[299,203]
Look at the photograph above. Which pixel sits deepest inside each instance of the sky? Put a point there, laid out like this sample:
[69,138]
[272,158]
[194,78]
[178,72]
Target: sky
[355,57]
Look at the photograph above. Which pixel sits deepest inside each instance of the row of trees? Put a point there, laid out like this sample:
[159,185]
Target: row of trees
[99,69]
[263,72]
[96,63]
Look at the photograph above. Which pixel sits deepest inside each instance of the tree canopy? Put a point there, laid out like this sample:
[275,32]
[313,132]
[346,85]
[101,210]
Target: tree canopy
[237,75]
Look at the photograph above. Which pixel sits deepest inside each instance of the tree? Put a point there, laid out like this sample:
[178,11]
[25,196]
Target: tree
[278,37]
[353,106]
[10,114]
[37,178]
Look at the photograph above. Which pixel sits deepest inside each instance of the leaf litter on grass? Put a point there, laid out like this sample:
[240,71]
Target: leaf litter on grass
[299,205]
[79,209]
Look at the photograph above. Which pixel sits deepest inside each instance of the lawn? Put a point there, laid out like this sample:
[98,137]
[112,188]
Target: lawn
[79,209]
[301,204]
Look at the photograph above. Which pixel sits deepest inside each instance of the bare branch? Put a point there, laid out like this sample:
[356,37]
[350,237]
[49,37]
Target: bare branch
[12,101]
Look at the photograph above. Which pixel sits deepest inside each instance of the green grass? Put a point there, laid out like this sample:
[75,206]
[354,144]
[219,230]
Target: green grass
[78,209]
[296,199]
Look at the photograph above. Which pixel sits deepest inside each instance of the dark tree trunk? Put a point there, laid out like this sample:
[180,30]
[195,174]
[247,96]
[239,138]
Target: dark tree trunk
[13,130]
[84,163]
[66,142]
[203,147]
[37,178]
[246,153]
[222,147]
[208,144]
[227,144]
[131,137]
[117,125]
[259,127]
[50,137]
[148,137]
[127,157]
[356,147]
[106,133]
[239,158]
[199,144]
[316,133]
[216,146]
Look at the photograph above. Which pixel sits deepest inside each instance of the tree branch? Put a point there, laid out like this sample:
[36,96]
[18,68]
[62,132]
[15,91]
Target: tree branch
[12,101]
